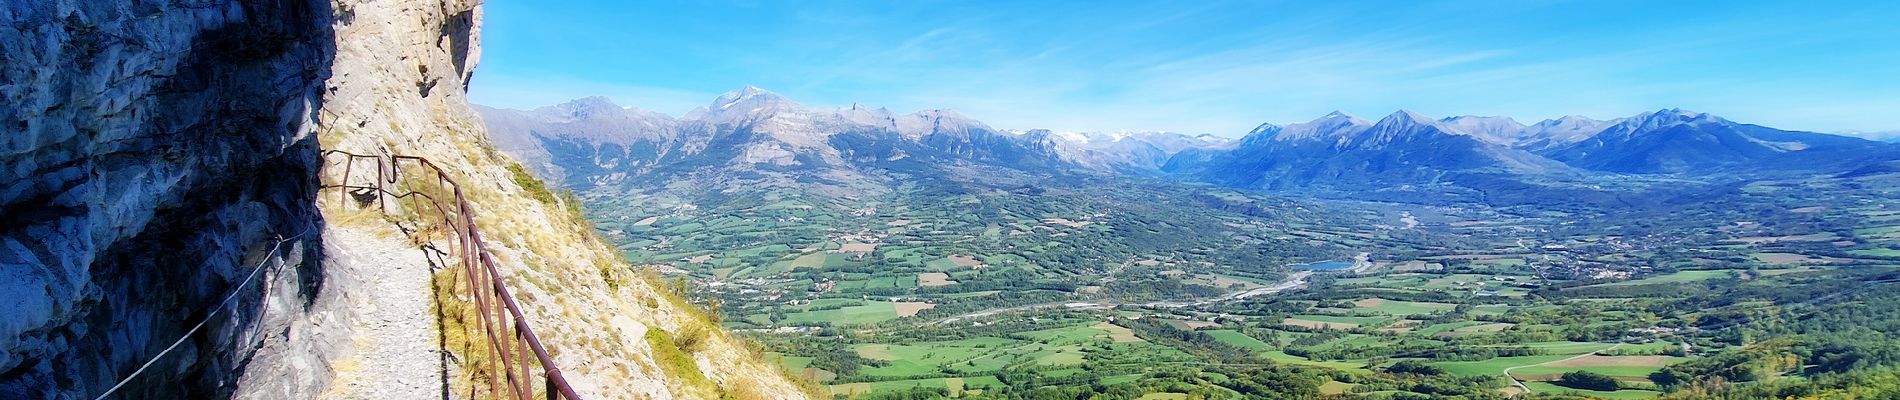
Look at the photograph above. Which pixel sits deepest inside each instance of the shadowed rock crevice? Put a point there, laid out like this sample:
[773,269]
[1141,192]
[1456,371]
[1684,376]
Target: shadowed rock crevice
[154,153]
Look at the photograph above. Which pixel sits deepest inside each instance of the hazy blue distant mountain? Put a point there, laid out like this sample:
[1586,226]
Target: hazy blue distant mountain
[754,138]
[1681,142]
[1344,152]
[1408,157]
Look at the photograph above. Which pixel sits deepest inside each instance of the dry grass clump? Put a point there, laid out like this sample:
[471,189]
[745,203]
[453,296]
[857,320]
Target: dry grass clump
[691,339]
[460,326]
[676,361]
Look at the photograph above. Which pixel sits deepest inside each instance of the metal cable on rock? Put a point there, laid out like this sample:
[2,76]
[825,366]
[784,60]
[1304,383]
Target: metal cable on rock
[214,312]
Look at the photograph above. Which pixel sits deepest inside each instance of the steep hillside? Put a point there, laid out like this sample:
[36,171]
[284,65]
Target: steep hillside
[597,315]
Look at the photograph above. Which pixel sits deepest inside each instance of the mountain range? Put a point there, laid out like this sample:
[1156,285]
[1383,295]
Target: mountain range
[751,137]
[755,137]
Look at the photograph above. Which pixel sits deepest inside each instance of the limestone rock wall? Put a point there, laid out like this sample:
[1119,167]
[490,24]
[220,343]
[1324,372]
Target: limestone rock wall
[150,151]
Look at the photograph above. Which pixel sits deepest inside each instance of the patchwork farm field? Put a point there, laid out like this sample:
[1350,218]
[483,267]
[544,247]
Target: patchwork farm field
[1402,308]
[944,292]
[1495,366]
[1544,387]
[1629,368]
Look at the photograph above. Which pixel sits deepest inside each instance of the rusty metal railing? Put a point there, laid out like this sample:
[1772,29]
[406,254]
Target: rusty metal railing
[438,204]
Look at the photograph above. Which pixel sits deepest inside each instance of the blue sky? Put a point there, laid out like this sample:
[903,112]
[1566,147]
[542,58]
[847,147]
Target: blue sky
[1213,67]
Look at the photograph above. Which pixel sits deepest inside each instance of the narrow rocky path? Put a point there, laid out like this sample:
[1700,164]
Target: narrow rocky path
[397,346]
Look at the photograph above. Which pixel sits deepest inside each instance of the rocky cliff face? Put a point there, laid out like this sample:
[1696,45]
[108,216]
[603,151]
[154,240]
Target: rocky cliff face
[150,153]
[396,87]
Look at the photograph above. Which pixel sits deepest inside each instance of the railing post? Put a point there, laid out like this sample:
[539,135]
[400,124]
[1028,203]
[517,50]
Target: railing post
[527,377]
[379,184]
[343,196]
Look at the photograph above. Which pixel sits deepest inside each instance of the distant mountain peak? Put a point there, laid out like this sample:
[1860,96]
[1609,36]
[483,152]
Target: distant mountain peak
[1678,114]
[1407,117]
[1264,128]
[1667,117]
[588,106]
[1333,125]
[593,100]
[747,95]
[1333,119]
[749,90]
[1339,117]
[745,103]
[595,108]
